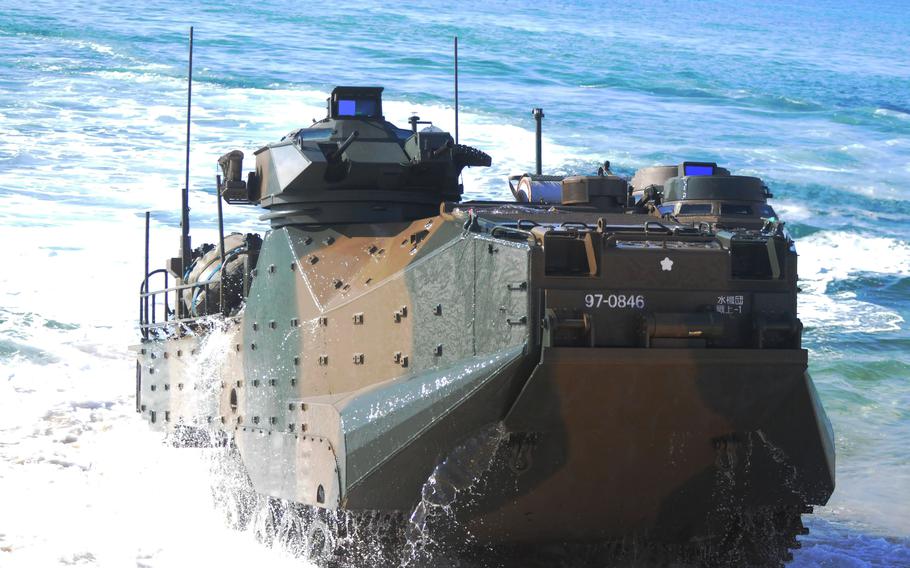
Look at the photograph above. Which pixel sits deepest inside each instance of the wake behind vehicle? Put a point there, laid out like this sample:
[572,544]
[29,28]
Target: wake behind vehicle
[585,365]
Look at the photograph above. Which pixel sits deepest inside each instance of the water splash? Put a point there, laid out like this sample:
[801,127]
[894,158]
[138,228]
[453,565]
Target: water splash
[453,478]
[198,399]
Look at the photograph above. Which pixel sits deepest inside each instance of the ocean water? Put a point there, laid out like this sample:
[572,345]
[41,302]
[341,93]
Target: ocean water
[813,97]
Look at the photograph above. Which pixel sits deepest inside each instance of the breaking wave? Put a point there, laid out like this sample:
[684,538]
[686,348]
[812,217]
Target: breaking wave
[829,257]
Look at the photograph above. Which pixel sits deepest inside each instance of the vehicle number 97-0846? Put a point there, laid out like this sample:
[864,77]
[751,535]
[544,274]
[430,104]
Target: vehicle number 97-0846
[615,301]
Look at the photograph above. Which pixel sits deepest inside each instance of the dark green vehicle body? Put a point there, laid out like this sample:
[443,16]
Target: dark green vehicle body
[642,375]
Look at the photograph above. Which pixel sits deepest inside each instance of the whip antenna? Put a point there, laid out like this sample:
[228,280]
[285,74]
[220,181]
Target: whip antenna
[185,247]
[456,89]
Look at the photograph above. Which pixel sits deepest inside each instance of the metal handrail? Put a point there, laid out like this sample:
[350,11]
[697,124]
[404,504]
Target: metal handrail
[147,310]
[147,313]
[179,287]
[148,316]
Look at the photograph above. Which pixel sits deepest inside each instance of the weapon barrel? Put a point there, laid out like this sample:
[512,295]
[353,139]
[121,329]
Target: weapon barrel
[344,145]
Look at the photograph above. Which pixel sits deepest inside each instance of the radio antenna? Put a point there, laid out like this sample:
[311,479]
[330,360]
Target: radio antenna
[185,247]
[456,89]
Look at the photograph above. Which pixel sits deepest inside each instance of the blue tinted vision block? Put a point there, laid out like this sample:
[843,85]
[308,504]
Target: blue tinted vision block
[696,170]
[366,107]
[347,107]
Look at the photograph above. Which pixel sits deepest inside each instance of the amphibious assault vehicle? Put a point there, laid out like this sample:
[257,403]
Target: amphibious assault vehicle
[596,362]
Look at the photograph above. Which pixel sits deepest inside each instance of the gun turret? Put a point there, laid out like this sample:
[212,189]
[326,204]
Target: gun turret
[354,166]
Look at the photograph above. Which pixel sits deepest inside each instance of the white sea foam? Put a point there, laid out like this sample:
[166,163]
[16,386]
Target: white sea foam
[95,487]
[831,256]
[791,211]
[93,46]
[891,113]
[84,481]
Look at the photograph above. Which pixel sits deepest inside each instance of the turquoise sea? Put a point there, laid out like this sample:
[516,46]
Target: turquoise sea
[813,97]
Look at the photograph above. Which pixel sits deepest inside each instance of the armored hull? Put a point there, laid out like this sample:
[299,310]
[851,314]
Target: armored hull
[641,377]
